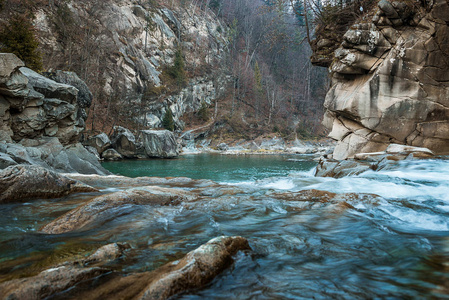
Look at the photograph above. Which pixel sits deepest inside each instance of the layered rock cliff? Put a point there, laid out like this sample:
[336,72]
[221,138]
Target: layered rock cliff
[390,80]
[41,120]
[124,50]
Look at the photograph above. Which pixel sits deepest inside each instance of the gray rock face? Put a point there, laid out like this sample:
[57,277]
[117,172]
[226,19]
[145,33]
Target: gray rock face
[159,143]
[124,142]
[51,154]
[24,182]
[33,106]
[389,82]
[84,96]
[132,56]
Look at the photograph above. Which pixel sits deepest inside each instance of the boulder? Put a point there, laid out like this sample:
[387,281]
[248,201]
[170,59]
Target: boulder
[124,142]
[50,88]
[370,161]
[223,147]
[62,277]
[48,282]
[100,142]
[159,143]
[84,97]
[195,270]
[51,154]
[111,154]
[22,182]
[192,272]
[107,207]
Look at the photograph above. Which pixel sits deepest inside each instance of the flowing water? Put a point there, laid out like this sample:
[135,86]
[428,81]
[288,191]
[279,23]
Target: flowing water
[388,239]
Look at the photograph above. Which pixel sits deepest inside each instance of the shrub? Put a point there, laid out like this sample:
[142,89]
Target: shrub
[18,37]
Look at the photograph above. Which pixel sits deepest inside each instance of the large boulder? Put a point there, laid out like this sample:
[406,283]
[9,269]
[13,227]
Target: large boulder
[84,97]
[362,162]
[111,154]
[51,154]
[107,207]
[124,141]
[159,143]
[100,142]
[22,182]
[389,82]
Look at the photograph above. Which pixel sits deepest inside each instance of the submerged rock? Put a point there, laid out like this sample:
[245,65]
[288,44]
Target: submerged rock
[62,277]
[24,182]
[48,282]
[196,269]
[104,208]
[159,143]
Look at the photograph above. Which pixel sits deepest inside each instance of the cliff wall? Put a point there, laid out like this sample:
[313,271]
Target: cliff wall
[124,50]
[390,80]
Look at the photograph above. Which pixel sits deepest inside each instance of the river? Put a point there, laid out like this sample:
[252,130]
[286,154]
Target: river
[388,238]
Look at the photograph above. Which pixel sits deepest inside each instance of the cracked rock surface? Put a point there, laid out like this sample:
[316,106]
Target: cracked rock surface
[390,81]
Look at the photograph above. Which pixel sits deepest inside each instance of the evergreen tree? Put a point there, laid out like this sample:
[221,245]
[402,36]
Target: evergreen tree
[177,70]
[203,112]
[167,121]
[17,37]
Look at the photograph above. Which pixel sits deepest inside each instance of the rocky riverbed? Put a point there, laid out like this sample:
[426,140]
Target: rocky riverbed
[282,236]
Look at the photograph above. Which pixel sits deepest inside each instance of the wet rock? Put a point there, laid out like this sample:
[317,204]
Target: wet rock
[21,182]
[48,282]
[111,154]
[159,143]
[192,272]
[370,161]
[339,169]
[406,150]
[124,142]
[127,182]
[63,276]
[100,142]
[104,208]
[105,254]
[198,268]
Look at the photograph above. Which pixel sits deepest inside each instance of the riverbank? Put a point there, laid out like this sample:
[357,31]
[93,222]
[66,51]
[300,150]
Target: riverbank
[262,145]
